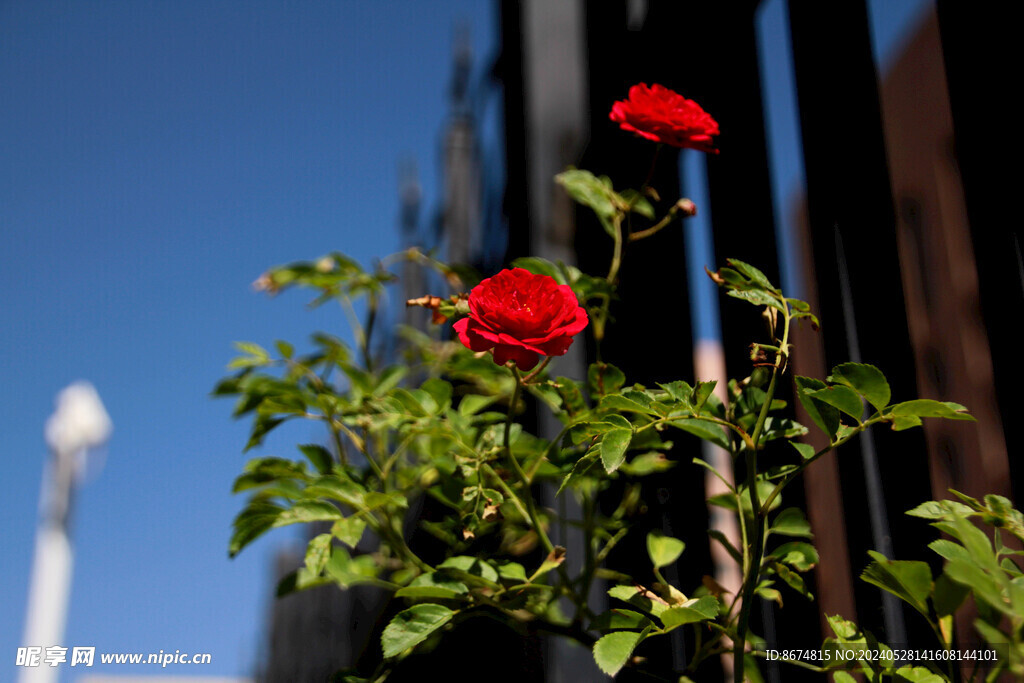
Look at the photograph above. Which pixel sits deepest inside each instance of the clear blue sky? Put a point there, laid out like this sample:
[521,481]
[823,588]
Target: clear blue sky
[155,157]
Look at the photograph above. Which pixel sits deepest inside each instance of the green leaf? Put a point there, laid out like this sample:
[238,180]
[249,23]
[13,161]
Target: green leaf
[317,553]
[619,619]
[411,627]
[579,470]
[709,431]
[701,393]
[752,273]
[910,581]
[299,580]
[645,601]
[917,674]
[471,404]
[472,566]
[308,511]
[604,378]
[805,450]
[925,407]
[823,415]
[638,203]
[612,651]
[948,595]
[680,391]
[511,571]
[613,448]
[435,585]
[349,530]
[755,297]
[797,554]
[389,379]
[590,191]
[630,404]
[251,523]
[944,510]
[690,612]
[555,558]
[540,266]
[841,397]
[905,422]
[663,550]
[792,579]
[792,522]
[284,348]
[866,380]
[319,456]
[843,677]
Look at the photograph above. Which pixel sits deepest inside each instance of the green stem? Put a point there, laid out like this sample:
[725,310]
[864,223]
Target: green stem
[518,469]
[643,234]
[752,571]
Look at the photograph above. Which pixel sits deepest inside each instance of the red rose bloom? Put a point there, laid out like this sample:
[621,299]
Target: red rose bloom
[661,115]
[521,316]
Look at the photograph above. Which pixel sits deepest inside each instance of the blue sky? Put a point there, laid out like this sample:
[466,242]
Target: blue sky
[155,158]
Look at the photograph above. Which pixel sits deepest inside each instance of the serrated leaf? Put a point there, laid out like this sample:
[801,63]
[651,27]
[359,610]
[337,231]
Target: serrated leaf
[621,403]
[251,523]
[944,510]
[471,565]
[613,448]
[611,652]
[866,380]
[924,407]
[579,470]
[663,550]
[823,414]
[604,378]
[317,553]
[709,431]
[797,554]
[842,397]
[639,597]
[308,511]
[752,273]
[411,627]
[690,612]
[791,522]
[349,530]
[619,619]
[911,581]
[590,191]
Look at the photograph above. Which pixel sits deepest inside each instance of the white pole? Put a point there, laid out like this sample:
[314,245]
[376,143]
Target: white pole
[79,424]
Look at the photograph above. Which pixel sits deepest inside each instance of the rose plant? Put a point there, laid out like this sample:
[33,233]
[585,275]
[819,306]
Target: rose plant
[443,425]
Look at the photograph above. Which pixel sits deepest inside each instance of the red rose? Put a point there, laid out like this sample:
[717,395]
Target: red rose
[521,316]
[662,115]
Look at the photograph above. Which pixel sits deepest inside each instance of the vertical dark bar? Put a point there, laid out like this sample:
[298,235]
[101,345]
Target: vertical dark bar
[509,71]
[651,337]
[980,49]
[849,193]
